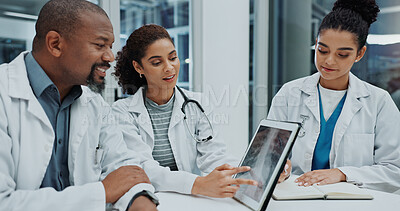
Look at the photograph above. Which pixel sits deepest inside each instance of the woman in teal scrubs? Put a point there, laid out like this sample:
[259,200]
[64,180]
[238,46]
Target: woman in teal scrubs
[350,129]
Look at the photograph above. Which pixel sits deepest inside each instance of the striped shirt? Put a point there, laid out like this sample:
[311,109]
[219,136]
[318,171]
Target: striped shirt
[160,116]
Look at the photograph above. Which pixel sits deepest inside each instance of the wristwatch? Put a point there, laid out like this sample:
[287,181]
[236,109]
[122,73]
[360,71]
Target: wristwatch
[150,195]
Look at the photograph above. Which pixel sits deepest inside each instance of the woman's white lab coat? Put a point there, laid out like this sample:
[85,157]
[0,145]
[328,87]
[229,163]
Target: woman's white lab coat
[191,158]
[366,139]
[26,143]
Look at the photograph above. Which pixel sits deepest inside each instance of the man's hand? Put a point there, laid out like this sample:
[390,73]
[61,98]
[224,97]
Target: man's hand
[286,171]
[219,183]
[120,181]
[321,177]
[142,203]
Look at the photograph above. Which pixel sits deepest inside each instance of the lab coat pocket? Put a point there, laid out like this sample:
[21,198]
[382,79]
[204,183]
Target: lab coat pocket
[359,149]
[98,157]
[92,169]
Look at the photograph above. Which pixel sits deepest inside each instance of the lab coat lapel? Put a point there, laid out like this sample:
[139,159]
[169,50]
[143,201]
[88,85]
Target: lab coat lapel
[352,105]
[310,88]
[137,107]
[177,114]
[37,138]
[19,88]
[176,117]
[78,126]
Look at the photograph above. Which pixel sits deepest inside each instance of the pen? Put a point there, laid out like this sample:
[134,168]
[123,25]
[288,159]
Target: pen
[95,154]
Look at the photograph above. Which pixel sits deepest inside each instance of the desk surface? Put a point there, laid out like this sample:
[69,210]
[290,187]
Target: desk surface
[175,202]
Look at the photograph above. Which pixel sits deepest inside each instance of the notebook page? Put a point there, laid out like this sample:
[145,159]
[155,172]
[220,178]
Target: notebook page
[343,190]
[290,190]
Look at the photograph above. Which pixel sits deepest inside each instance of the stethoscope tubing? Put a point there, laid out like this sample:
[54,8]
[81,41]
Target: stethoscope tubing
[184,104]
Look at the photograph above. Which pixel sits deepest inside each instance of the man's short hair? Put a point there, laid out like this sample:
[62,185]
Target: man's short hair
[62,16]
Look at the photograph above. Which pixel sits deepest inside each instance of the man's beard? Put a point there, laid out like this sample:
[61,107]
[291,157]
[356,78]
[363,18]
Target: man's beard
[91,82]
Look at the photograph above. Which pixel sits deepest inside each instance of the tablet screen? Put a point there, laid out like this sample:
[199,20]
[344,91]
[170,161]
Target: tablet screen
[265,156]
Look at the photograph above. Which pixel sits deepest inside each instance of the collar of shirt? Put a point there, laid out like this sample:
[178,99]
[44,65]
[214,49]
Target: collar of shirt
[37,77]
[39,80]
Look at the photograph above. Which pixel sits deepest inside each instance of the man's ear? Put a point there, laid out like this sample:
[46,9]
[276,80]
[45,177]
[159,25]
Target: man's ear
[54,43]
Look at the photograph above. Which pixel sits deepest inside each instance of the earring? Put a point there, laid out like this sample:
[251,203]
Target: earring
[141,75]
[356,60]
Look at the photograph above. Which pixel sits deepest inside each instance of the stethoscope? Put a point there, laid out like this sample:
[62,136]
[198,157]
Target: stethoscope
[194,134]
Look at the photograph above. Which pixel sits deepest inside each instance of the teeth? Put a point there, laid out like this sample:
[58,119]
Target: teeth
[101,70]
[169,77]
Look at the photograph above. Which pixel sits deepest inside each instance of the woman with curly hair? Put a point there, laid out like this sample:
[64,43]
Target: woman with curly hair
[350,129]
[153,122]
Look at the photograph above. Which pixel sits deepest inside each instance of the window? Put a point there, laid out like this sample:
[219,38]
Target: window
[10,48]
[293,30]
[252,125]
[381,63]
[19,18]
[172,15]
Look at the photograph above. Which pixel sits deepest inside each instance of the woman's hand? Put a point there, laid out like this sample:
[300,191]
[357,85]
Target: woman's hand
[219,183]
[321,177]
[286,171]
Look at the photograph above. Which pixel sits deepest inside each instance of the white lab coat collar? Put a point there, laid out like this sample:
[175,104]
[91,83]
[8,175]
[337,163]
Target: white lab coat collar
[18,77]
[136,105]
[136,101]
[309,87]
[356,87]
[356,90]
[19,88]
[19,83]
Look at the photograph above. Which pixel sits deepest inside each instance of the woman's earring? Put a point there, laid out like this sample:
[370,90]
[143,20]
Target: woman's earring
[141,75]
[356,60]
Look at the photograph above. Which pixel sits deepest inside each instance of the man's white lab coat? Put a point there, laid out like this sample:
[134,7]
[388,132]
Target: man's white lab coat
[26,143]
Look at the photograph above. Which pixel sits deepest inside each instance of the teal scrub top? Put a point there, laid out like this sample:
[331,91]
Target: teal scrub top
[324,142]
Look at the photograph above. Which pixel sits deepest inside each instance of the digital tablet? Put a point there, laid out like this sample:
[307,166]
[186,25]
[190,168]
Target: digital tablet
[266,155]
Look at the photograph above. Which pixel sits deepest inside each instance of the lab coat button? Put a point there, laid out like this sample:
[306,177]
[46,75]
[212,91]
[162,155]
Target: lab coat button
[307,156]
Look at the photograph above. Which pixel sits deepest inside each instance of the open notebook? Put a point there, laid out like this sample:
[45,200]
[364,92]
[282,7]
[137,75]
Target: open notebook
[289,190]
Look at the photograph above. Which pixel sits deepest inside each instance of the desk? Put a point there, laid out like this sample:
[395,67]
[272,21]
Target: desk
[176,202]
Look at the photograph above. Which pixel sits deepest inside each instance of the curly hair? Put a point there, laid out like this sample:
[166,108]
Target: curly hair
[135,50]
[355,16]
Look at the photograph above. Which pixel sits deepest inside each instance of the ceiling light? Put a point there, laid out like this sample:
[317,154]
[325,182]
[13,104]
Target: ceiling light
[383,39]
[21,15]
